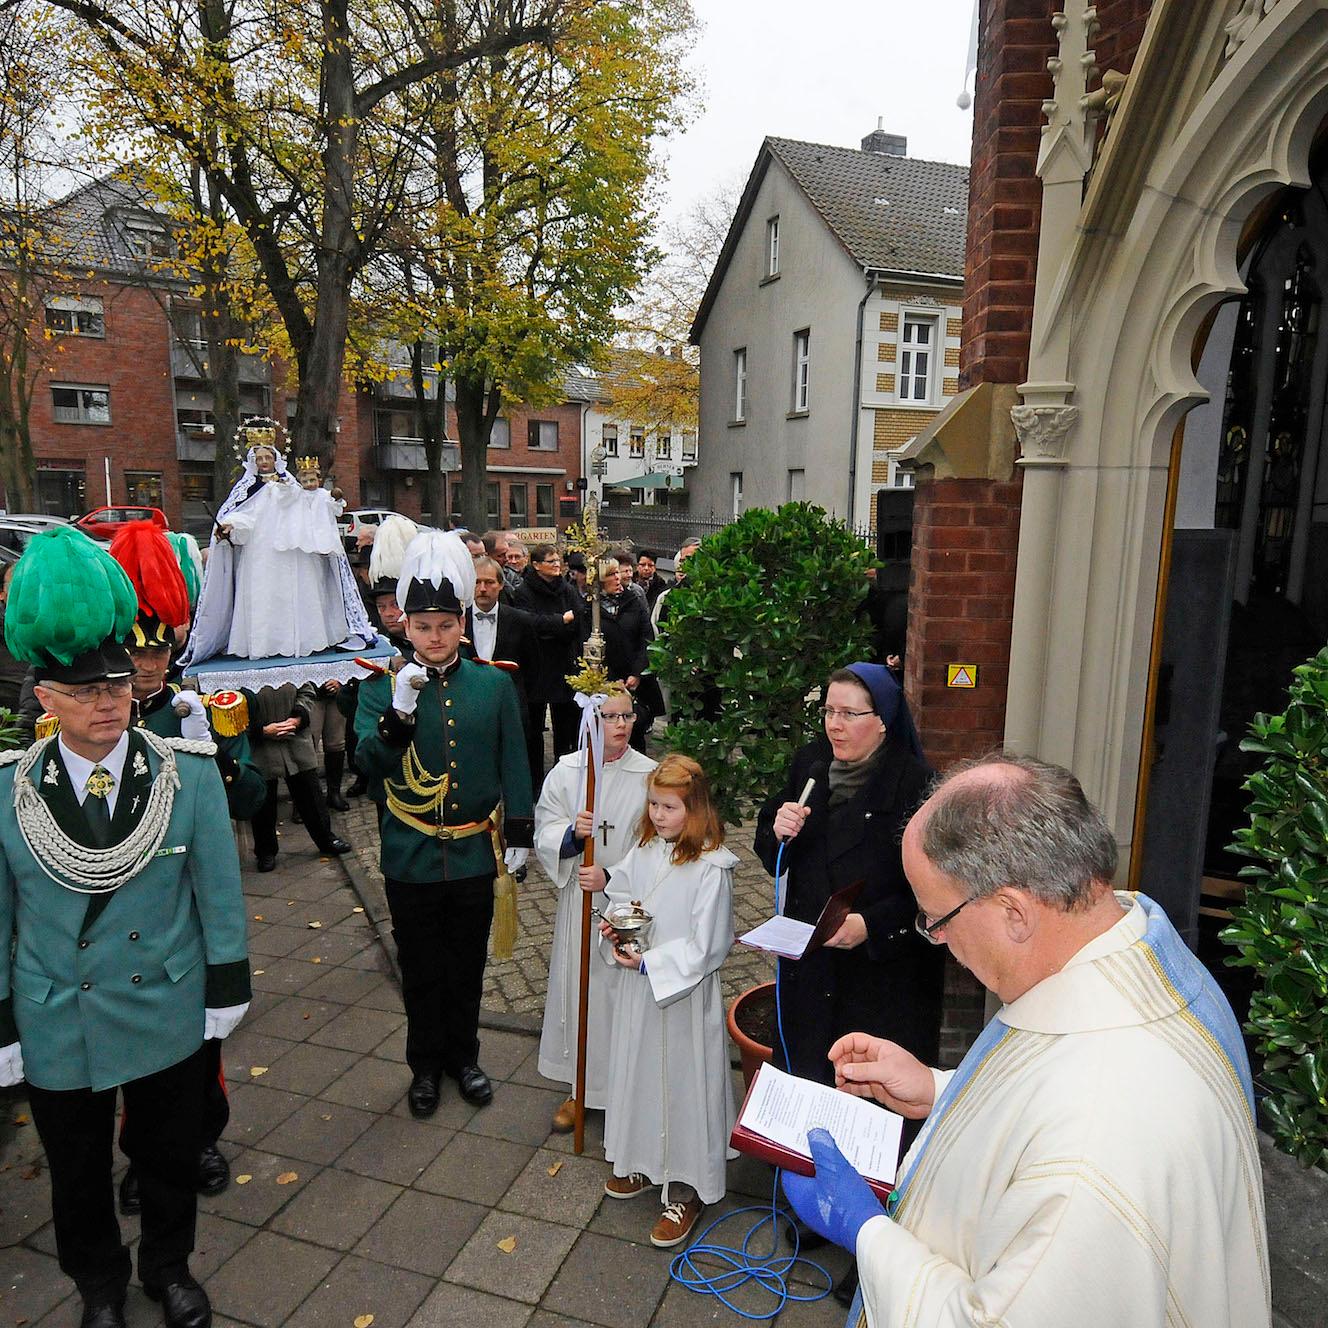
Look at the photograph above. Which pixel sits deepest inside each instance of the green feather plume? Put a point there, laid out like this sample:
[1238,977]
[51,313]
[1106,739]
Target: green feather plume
[67,596]
[190,560]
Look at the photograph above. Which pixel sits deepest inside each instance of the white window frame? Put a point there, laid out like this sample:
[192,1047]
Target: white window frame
[85,315]
[688,445]
[664,447]
[772,247]
[908,378]
[802,369]
[609,437]
[543,436]
[636,443]
[83,410]
[500,432]
[797,486]
[735,492]
[740,385]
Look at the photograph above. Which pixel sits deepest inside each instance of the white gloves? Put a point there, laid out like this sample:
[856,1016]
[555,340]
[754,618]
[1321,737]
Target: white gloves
[194,725]
[516,858]
[406,693]
[11,1065]
[221,1022]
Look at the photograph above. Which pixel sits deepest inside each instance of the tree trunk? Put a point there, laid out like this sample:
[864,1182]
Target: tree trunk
[476,409]
[432,414]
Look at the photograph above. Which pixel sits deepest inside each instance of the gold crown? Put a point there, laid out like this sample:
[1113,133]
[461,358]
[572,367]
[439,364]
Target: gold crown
[260,432]
[304,465]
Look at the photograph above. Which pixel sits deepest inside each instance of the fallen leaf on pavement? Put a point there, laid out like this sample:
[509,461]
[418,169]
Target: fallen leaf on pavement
[357,909]
[507,1244]
[256,1070]
[258,972]
[258,917]
[314,926]
[327,1118]
[555,1169]
[363,1320]
[243,1180]
[287,1176]
[315,961]
[20,1120]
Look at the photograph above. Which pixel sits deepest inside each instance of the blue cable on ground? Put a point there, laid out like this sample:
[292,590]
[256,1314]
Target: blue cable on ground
[740,1265]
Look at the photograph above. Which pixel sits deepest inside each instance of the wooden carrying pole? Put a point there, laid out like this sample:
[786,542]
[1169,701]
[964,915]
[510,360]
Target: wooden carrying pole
[583,997]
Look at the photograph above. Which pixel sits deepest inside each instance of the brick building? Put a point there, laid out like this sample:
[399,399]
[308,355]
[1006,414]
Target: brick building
[122,411]
[1122,518]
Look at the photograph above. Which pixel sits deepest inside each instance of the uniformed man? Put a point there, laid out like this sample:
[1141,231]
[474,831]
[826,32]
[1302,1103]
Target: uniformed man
[107,987]
[444,736]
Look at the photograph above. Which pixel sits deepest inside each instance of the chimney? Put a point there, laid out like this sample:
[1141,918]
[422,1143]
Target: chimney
[888,145]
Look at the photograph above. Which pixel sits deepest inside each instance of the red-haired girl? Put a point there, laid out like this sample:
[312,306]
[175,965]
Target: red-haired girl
[670,1106]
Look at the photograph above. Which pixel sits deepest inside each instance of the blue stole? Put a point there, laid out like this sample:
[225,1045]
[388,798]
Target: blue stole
[1192,987]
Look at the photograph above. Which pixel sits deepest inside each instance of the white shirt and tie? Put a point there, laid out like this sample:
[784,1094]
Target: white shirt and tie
[80,769]
[484,631]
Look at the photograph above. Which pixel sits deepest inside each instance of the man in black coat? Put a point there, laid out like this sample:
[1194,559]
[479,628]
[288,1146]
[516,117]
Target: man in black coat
[498,632]
[557,611]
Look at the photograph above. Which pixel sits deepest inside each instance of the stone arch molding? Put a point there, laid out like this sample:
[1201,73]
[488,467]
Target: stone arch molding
[1119,329]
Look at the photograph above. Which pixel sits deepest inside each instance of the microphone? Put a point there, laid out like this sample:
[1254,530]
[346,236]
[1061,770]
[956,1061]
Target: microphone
[818,772]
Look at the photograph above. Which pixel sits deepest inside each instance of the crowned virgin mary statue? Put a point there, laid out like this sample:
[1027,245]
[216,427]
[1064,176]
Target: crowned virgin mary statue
[277,582]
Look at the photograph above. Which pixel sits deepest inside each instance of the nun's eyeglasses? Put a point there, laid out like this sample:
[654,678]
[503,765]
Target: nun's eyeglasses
[829,712]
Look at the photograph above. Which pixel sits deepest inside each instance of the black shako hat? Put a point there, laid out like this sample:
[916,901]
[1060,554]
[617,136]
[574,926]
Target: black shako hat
[425,597]
[102,663]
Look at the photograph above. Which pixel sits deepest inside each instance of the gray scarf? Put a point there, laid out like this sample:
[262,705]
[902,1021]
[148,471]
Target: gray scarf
[847,777]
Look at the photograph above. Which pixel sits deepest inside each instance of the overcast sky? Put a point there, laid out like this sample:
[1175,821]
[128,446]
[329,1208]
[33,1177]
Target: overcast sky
[823,72]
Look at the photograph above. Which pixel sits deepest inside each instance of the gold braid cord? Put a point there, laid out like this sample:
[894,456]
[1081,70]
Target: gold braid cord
[428,789]
[95,871]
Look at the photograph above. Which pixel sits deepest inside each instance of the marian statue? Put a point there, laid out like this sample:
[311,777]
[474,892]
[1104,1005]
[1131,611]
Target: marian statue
[277,582]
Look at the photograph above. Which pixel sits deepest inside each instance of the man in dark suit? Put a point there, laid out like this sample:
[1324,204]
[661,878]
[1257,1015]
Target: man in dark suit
[498,632]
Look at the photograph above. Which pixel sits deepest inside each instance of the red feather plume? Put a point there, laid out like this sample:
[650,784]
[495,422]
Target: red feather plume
[145,553]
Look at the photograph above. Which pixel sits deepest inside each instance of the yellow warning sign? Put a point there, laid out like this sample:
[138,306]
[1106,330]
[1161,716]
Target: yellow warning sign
[961,675]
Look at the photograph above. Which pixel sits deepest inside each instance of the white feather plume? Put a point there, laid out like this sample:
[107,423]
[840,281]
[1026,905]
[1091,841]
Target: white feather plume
[389,547]
[435,555]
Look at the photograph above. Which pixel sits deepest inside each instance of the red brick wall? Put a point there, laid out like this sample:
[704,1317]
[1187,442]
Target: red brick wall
[1122,29]
[1004,194]
[133,361]
[965,540]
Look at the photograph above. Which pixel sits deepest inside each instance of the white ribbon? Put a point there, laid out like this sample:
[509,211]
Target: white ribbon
[591,734]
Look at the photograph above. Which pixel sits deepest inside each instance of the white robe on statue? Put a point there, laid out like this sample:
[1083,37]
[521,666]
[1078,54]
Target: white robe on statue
[622,800]
[670,1107]
[1093,1162]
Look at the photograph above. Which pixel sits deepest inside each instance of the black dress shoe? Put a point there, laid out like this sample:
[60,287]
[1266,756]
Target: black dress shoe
[267,862]
[336,800]
[103,1314]
[184,1303]
[130,1202]
[359,786]
[214,1172]
[807,1238]
[423,1096]
[474,1084]
[335,846]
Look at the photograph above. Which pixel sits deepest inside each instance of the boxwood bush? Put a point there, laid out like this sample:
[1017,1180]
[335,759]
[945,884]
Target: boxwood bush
[770,606]
[1281,930]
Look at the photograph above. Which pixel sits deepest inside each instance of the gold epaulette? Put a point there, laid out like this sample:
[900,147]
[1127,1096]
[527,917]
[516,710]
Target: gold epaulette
[229,713]
[47,725]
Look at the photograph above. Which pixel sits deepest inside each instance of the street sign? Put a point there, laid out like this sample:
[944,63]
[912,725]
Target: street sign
[582,483]
[961,675]
[668,467]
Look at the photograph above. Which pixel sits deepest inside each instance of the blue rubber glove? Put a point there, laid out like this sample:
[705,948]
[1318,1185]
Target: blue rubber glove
[836,1202]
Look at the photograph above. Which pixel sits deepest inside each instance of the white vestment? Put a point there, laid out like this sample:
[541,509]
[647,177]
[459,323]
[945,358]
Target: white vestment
[1095,1165]
[622,800]
[670,1106]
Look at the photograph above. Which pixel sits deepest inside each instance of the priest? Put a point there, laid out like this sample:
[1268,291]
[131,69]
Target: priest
[562,825]
[1093,1160]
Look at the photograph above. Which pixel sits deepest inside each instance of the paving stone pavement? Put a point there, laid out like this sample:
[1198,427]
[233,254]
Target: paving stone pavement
[343,1206]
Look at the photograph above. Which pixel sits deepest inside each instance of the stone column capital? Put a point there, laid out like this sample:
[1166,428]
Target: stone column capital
[1043,432]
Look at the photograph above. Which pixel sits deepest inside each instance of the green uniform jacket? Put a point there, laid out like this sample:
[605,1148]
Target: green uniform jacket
[468,727]
[106,988]
[244,782]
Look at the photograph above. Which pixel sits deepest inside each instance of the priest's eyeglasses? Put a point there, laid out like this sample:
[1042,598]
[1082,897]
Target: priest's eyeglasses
[117,688]
[927,929]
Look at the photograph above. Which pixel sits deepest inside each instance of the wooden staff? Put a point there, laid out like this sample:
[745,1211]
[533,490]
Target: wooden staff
[583,997]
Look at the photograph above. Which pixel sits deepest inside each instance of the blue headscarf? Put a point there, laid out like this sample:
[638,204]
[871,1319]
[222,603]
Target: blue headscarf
[888,700]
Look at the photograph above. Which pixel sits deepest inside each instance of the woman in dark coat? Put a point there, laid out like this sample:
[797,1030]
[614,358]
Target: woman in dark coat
[625,622]
[876,974]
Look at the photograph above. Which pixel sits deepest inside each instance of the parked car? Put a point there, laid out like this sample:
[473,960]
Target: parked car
[16,531]
[352,522]
[102,522]
[41,519]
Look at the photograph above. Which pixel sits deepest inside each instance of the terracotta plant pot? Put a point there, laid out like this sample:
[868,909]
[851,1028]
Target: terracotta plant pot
[754,1008]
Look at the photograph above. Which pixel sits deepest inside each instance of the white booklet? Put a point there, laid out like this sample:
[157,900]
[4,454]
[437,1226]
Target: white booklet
[786,937]
[780,1110]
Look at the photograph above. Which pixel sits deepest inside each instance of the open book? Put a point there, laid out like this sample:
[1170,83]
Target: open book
[780,1109]
[791,939]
